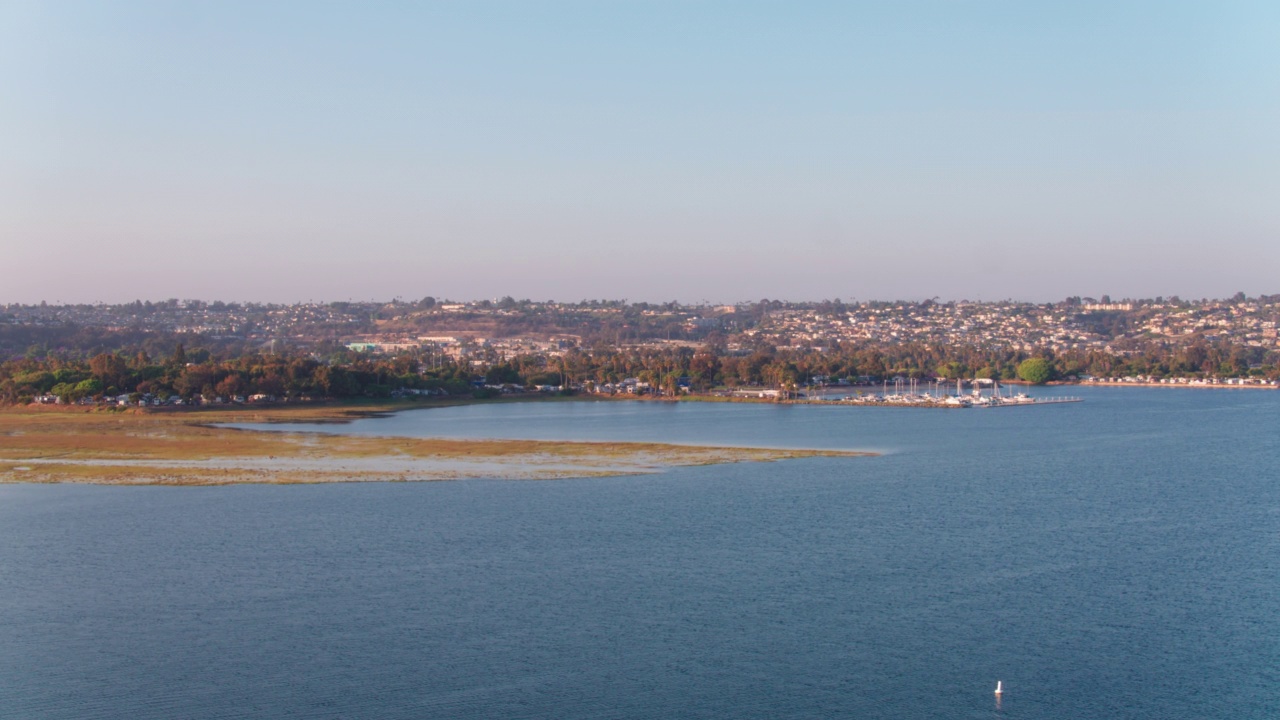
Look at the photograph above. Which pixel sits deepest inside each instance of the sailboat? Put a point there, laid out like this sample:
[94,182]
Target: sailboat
[999,688]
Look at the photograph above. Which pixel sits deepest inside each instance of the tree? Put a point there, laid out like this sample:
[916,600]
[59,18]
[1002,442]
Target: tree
[1036,371]
[110,369]
[704,366]
[193,379]
[230,386]
[87,388]
[501,374]
[671,384]
[951,370]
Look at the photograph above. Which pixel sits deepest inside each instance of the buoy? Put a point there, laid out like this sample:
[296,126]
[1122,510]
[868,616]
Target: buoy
[999,689]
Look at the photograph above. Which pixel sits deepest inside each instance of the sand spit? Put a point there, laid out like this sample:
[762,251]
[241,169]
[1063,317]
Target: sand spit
[140,448]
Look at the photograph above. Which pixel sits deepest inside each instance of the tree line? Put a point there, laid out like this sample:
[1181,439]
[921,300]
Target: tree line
[202,373]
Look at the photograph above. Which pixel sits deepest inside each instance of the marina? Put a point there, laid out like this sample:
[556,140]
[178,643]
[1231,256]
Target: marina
[907,392]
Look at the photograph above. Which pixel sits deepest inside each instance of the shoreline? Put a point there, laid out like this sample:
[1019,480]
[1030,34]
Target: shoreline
[1176,386]
[342,412]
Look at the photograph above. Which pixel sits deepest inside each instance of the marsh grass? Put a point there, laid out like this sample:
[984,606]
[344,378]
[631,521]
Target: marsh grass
[187,448]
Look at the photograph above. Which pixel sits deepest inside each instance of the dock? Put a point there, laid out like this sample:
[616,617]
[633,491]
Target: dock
[907,393]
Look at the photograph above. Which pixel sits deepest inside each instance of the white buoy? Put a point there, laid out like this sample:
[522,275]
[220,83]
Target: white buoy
[999,688]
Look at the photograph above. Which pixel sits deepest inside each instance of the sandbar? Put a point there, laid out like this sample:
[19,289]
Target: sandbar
[133,447]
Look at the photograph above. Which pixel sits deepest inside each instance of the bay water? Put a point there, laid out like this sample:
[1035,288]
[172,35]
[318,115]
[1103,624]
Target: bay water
[1115,558]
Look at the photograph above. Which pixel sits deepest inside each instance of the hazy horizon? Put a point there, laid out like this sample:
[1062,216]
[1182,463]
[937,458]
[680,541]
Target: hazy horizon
[564,300]
[652,151]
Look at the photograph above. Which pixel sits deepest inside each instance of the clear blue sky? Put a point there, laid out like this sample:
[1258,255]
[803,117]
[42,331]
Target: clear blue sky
[651,151]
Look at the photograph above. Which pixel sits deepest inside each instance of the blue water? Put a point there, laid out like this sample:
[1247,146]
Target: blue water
[1111,559]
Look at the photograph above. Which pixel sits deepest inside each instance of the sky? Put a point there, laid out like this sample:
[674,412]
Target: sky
[691,151]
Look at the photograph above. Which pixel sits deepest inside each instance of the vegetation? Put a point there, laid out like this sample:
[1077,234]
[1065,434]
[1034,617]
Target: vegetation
[1036,371]
[198,375]
[197,351]
[202,374]
[131,447]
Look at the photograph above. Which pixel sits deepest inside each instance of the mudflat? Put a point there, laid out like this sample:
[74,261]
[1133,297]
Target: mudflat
[139,447]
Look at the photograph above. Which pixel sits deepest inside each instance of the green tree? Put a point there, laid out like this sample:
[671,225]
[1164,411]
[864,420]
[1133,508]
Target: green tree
[499,374]
[951,370]
[1036,371]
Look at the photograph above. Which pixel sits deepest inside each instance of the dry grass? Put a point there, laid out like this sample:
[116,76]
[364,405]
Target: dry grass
[182,448]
